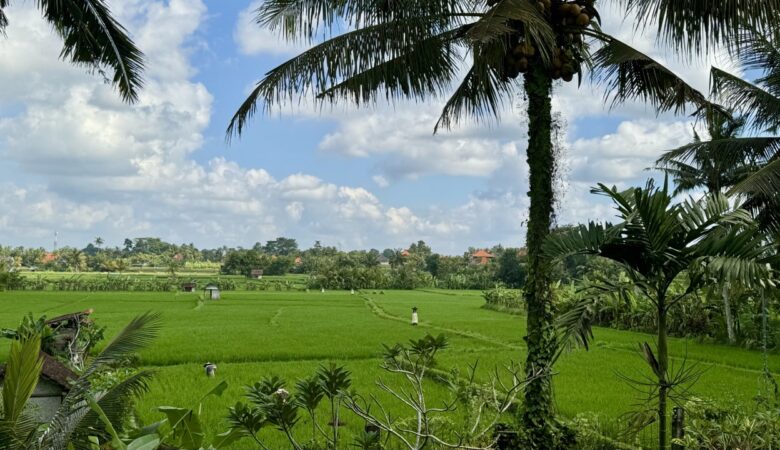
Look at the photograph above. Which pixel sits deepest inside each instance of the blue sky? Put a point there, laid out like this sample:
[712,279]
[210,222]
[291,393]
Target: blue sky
[77,161]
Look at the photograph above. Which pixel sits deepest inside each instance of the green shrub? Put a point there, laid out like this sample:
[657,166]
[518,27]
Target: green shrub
[503,299]
[713,427]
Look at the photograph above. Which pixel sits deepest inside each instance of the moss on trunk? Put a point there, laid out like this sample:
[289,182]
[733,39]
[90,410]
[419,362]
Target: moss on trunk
[538,413]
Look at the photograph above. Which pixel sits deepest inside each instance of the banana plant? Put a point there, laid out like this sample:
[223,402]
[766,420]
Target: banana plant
[659,243]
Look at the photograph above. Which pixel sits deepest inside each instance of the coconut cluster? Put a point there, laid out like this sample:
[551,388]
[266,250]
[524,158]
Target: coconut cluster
[568,20]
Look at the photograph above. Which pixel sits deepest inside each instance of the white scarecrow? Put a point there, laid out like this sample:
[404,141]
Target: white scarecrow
[211,369]
[414,316]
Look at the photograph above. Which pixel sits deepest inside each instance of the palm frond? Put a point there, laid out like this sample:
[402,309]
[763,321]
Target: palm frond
[761,108]
[500,20]
[21,375]
[425,70]
[685,176]
[575,326]
[766,181]
[584,239]
[3,17]
[629,74]
[731,151]
[695,26]
[480,95]
[115,404]
[137,334]
[92,36]
[760,50]
[310,19]
[372,56]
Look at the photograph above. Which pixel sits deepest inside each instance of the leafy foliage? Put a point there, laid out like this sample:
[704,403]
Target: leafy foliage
[656,242]
[93,37]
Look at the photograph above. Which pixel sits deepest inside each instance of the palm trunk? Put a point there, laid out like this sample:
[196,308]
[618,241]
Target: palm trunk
[538,414]
[663,362]
[727,314]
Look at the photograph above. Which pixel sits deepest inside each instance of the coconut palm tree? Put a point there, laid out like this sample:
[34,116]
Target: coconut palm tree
[473,52]
[658,243]
[83,413]
[92,37]
[705,168]
[759,104]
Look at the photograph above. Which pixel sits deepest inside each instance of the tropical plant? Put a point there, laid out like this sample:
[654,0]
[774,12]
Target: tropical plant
[92,37]
[483,405]
[85,416]
[64,345]
[712,427]
[730,153]
[658,243]
[420,49]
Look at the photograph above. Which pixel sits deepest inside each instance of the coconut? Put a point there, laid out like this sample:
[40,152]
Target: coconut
[528,49]
[557,62]
[583,20]
[567,77]
[522,64]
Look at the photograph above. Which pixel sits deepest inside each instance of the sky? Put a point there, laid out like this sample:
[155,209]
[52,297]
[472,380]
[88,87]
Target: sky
[77,161]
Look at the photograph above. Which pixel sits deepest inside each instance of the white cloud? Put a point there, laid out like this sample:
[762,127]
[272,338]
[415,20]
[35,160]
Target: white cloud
[120,171]
[624,155]
[254,40]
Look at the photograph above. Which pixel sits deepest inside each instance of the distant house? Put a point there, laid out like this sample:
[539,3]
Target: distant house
[189,287]
[212,292]
[257,274]
[522,252]
[481,257]
[383,261]
[405,253]
[53,385]
[48,258]
[298,260]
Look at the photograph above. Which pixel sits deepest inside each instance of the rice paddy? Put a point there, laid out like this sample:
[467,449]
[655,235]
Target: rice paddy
[250,335]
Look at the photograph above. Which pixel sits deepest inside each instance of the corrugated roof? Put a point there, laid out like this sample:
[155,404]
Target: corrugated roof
[52,369]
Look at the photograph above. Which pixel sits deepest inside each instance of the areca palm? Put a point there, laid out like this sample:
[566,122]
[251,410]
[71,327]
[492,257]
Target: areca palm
[658,243]
[715,169]
[83,413]
[92,37]
[473,52]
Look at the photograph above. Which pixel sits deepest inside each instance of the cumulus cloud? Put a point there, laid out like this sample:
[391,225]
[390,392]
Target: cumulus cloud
[85,164]
[254,40]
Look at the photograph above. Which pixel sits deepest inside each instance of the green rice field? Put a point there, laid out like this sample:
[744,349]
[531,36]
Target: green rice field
[250,335]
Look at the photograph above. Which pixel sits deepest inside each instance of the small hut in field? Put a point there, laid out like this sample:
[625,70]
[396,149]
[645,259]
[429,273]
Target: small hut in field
[53,385]
[212,292]
[256,274]
[189,287]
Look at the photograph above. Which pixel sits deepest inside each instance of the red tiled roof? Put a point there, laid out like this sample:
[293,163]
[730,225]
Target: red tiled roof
[482,254]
